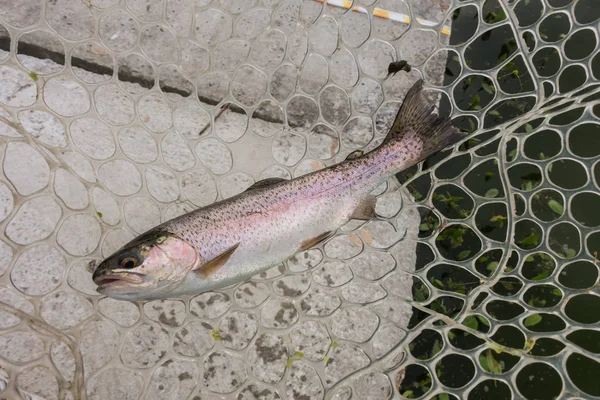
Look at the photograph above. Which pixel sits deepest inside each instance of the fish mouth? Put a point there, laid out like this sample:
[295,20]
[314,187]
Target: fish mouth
[116,279]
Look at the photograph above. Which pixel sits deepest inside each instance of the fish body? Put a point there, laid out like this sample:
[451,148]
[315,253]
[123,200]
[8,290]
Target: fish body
[232,240]
[271,223]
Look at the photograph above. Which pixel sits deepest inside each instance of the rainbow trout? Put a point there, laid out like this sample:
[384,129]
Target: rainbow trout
[232,240]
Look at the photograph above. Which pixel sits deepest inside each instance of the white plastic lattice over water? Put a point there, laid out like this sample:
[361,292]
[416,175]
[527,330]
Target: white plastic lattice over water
[478,280]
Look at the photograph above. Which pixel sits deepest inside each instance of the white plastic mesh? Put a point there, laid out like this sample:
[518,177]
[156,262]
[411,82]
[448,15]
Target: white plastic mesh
[479,280]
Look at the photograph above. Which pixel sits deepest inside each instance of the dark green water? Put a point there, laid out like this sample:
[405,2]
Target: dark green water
[458,243]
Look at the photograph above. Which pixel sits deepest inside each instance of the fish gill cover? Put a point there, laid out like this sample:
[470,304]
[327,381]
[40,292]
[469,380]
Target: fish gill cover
[479,279]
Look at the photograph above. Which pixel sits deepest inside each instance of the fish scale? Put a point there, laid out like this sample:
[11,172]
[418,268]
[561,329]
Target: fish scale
[232,240]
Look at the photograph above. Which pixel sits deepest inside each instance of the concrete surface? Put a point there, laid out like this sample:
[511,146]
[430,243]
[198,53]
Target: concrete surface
[128,131]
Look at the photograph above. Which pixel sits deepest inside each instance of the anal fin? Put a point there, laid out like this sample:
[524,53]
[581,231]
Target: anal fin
[213,265]
[365,209]
[309,243]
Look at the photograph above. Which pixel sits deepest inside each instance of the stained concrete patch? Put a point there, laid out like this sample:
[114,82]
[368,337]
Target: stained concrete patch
[320,302]
[210,305]
[344,360]
[251,294]
[237,329]
[100,341]
[115,383]
[332,274]
[303,382]
[194,339]
[174,379]
[360,292]
[268,357]
[144,346]
[311,339]
[372,265]
[122,312]
[291,286]
[373,385]
[258,392]
[355,324]
[224,372]
[20,347]
[305,260]
[166,312]
[279,314]
[64,310]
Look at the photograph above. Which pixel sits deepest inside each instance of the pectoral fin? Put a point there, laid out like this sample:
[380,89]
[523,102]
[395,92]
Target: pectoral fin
[213,265]
[309,243]
[365,209]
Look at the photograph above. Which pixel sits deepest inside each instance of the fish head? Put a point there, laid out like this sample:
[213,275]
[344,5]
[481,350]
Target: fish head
[146,268]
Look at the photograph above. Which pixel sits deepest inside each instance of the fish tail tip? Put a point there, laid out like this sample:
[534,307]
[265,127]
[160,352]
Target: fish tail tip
[417,119]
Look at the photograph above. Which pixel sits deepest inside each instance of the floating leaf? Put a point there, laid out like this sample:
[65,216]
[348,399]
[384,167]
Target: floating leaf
[475,103]
[540,276]
[493,17]
[532,320]
[493,366]
[99,214]
[556,207]
[570,253]
[493,192]
[471,322]
[492,266]
[483,320]
[488,88]
[483,362]
[33,76]
[499,219]
[424,227]
[463,254]
[437,347]
[531,240]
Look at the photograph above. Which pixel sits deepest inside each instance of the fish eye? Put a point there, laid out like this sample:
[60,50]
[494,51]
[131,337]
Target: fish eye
[129,261]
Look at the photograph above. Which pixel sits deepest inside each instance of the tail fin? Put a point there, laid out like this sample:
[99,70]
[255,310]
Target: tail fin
[416,119]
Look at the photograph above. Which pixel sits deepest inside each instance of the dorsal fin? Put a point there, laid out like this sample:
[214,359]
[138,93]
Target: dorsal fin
[213,265]
[355,154]
[266,182]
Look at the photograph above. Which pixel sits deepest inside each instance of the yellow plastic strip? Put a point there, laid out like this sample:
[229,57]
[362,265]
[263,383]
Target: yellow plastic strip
[380,13]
